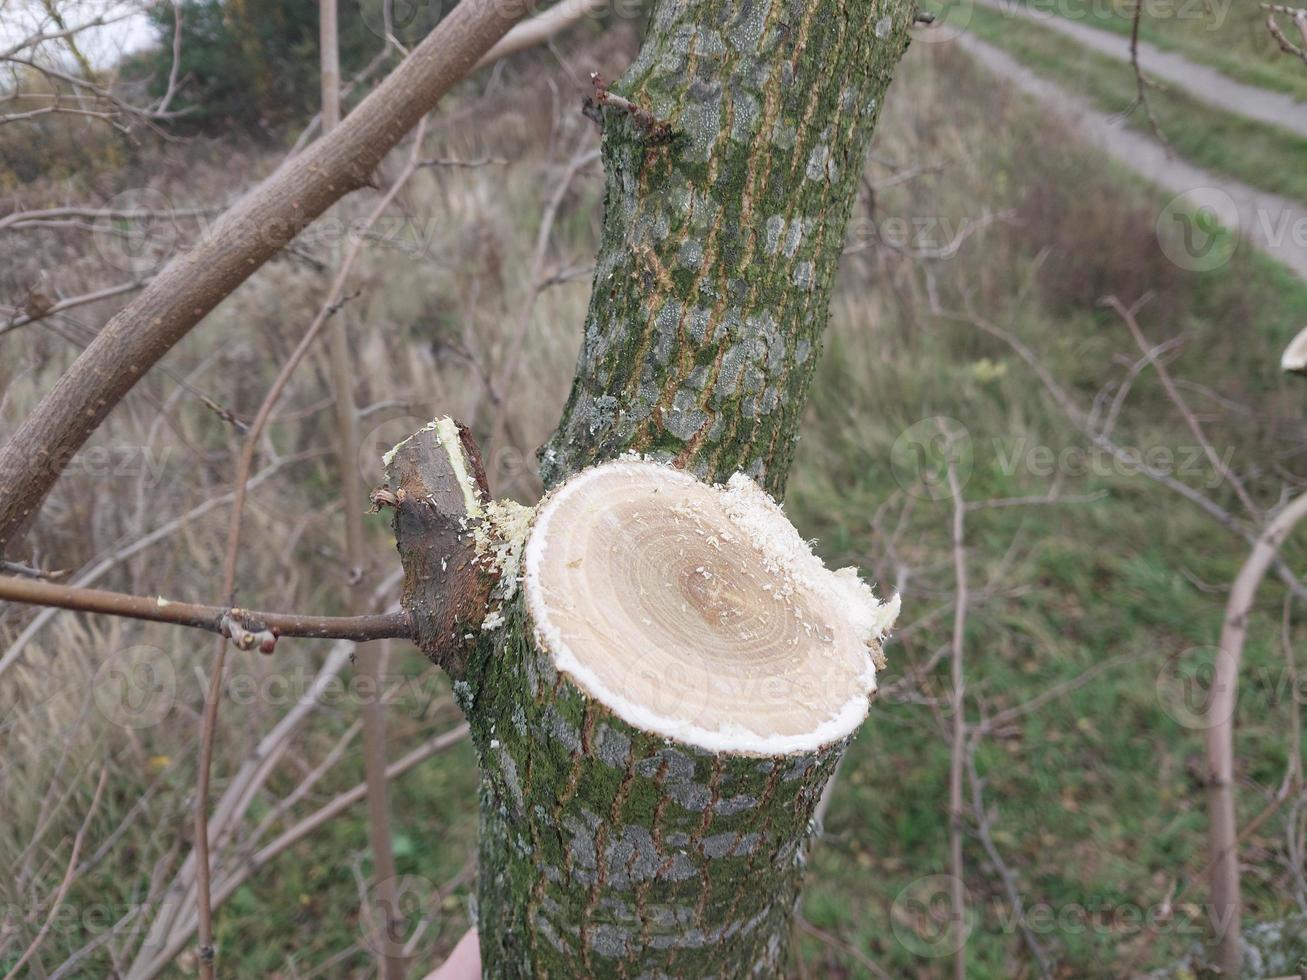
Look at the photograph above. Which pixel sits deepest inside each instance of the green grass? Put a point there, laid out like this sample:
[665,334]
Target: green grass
[1228,36]
[1252,152]
[1097,800]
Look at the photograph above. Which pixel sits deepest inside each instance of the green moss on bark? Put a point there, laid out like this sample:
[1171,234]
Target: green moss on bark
[713,280]
[608,851]
[605,850]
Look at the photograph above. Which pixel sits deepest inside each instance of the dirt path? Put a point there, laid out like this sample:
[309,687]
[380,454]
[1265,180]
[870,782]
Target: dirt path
[1204,84]
[1274,224]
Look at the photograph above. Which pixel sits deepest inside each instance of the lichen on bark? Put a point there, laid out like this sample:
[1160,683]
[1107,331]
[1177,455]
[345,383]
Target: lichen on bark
[609,851]
[720,245]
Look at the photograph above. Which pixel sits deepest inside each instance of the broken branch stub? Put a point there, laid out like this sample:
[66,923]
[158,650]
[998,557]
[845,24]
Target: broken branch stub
[436,485]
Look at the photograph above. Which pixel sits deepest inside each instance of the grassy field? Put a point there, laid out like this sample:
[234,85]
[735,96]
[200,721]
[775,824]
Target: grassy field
[1096,798]
[1219,141]
[1229,36]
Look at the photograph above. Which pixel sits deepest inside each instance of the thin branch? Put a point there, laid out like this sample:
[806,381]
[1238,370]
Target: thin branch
[1299,17]
[32,40]
[868,964]
[1222,820]
[106,564]
[246,867]
[216,619]
[209,724]
[1144,82]
[1107,444]
[37,218]
[539,29]
[22,319]
[959,722]
[246,237]
[996,721]
[1127,314]
[1005,873]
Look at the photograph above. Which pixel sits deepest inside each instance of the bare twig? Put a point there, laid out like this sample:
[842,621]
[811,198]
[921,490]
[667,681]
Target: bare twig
[1127,315]
[540,29]
[266,220]
[1096,436]
[1005,873]
[206,951]
[870,965]
[225,620]
[1299,17]
[20,318]
[957,705]
[1144,82]
[109,562]
[370,659]
[1222,821]
[246,867]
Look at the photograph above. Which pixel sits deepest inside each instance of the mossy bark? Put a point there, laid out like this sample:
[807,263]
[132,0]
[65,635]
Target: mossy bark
[608,851]
[605,850]
[720,244]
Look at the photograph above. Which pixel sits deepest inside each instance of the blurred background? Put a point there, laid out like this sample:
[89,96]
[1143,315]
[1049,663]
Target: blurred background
[1068,284]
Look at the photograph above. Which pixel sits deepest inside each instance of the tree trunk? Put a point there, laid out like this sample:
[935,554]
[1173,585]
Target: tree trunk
[627,828]
[607,850]
[666,682]
[721,241]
